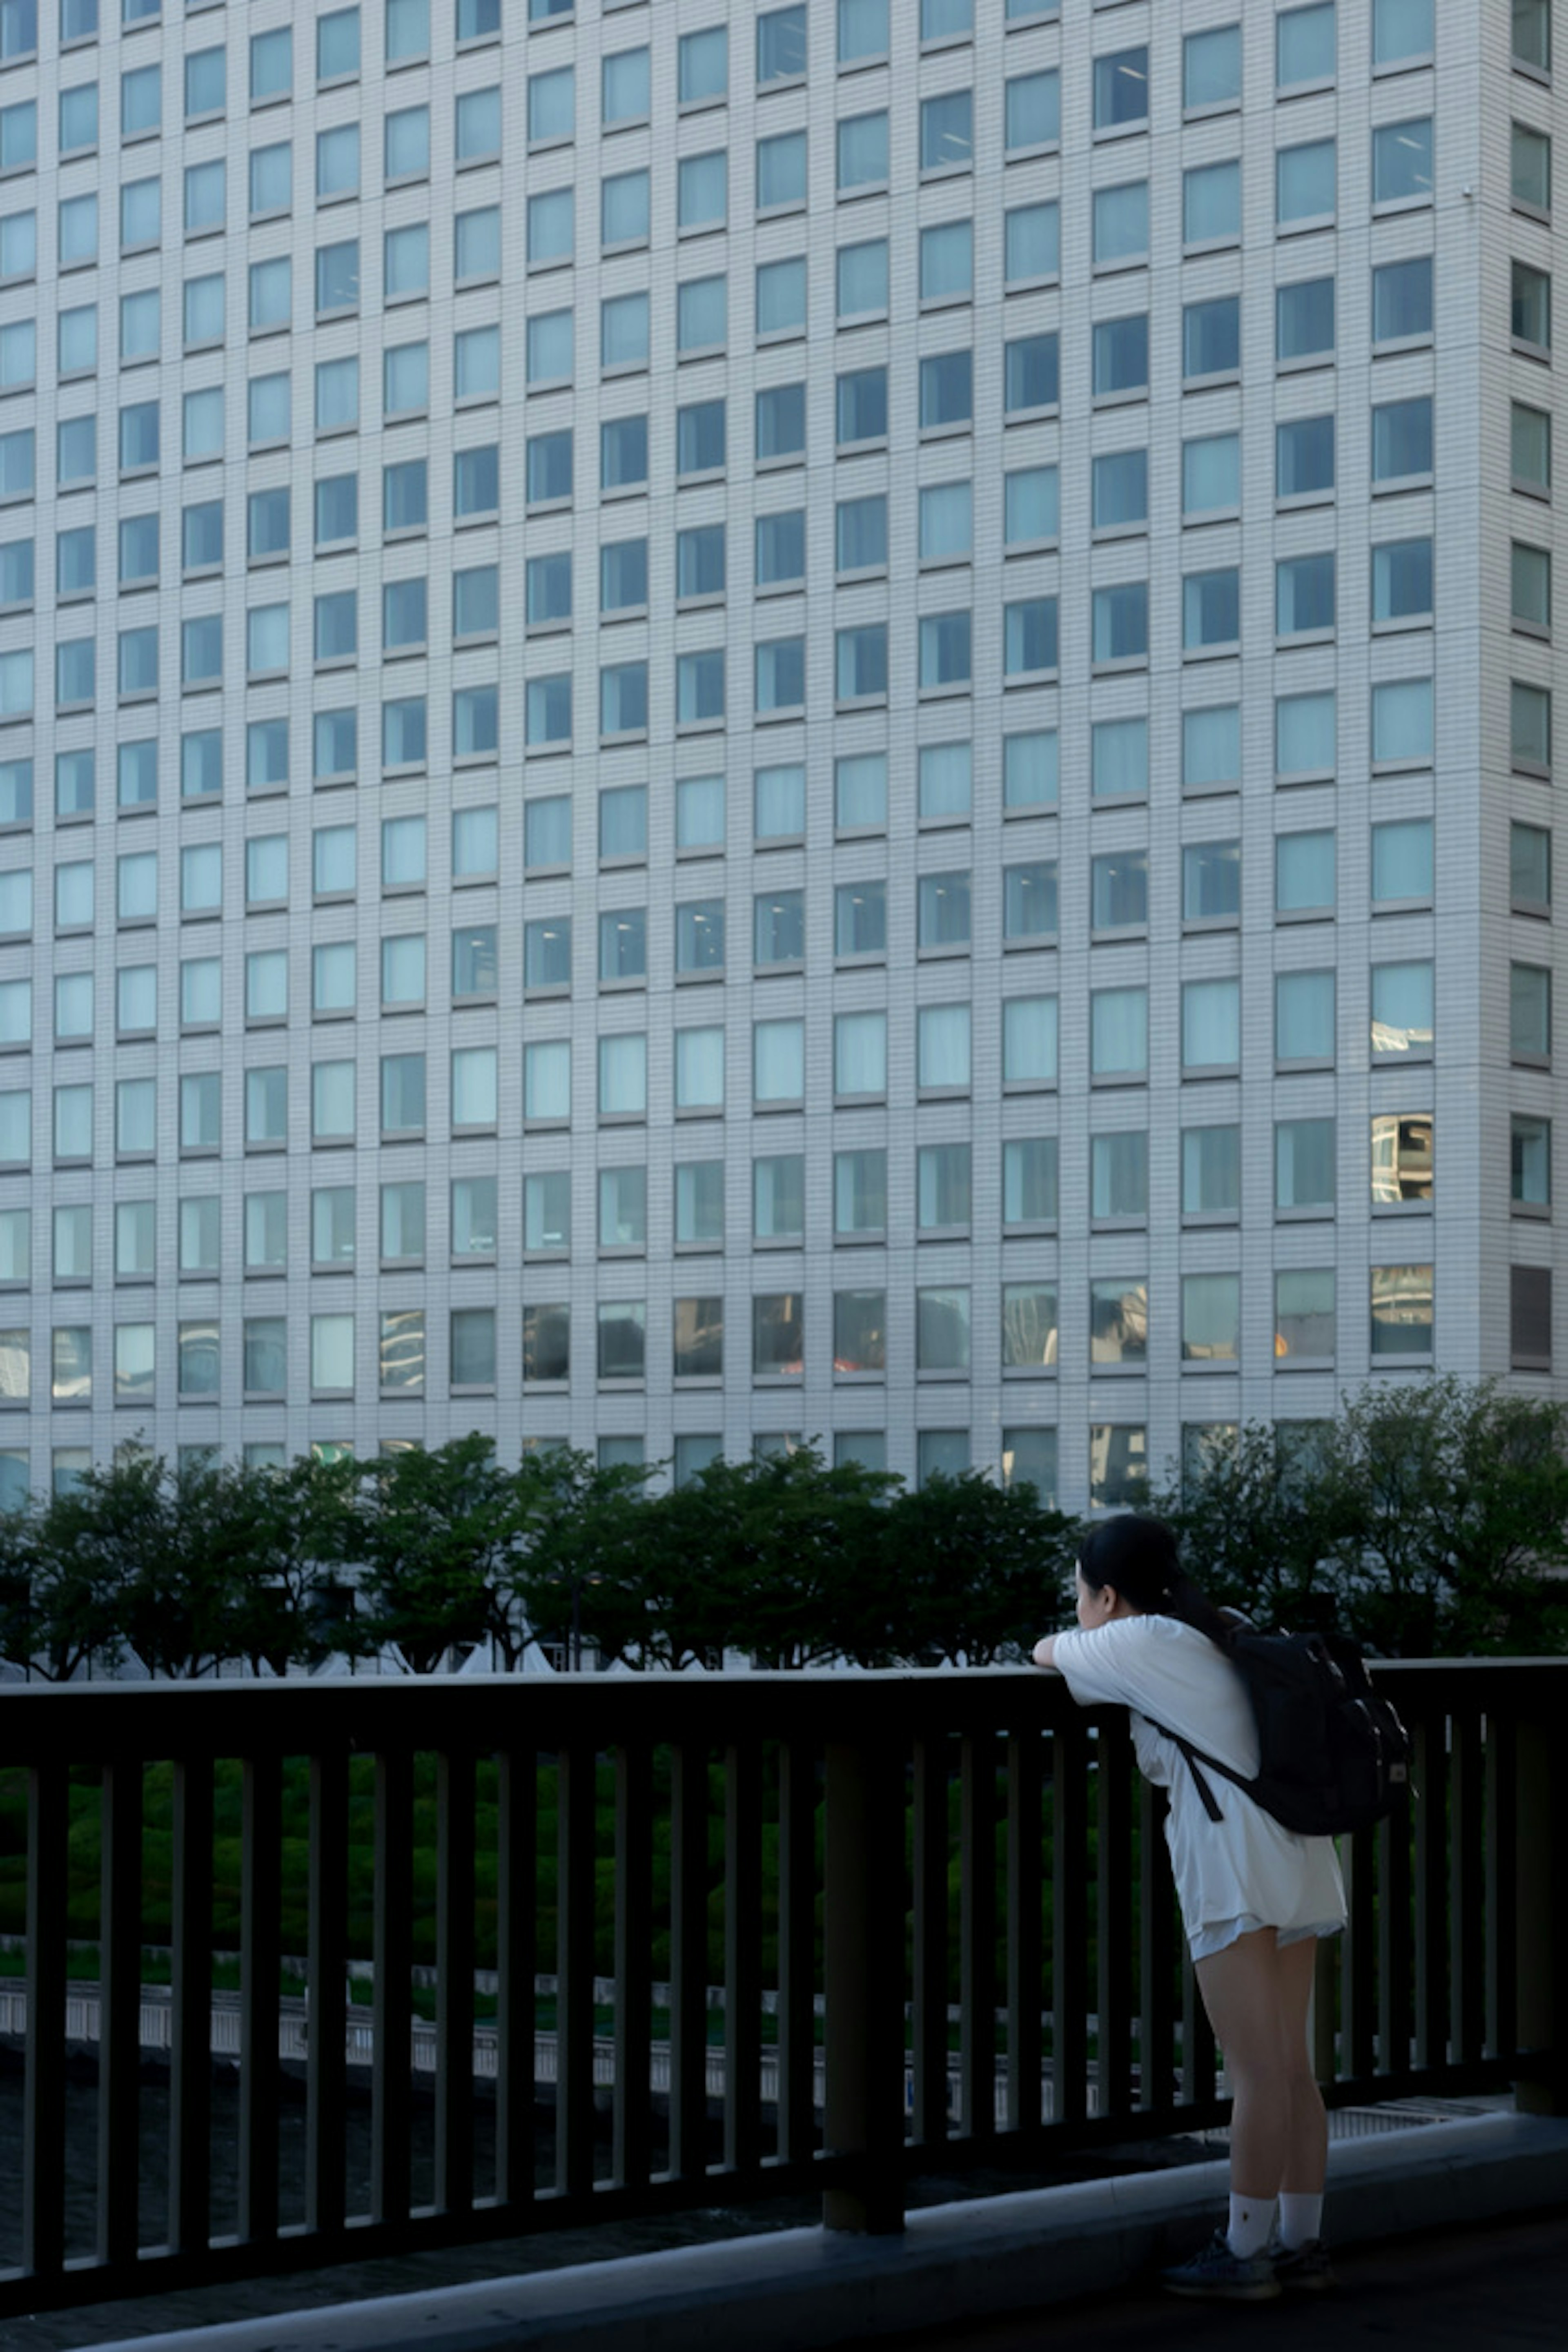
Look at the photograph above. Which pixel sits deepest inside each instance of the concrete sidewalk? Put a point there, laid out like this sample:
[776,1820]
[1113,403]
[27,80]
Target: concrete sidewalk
[957,2270]
[1496,2288]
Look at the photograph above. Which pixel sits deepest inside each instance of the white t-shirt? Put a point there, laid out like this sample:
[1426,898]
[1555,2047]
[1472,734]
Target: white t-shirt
[1246,1866]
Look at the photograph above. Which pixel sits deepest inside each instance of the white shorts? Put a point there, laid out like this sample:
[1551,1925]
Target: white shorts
[1218,1934]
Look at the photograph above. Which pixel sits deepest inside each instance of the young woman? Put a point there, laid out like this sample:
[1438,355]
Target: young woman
[1254,1896]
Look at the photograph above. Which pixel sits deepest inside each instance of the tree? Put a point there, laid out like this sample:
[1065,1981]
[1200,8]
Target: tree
[1450,1503]
[431,1531]
[1258,1528]
[581,1566]
[977,1568]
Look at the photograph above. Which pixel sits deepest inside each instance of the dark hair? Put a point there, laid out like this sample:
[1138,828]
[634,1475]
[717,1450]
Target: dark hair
[1137,1556]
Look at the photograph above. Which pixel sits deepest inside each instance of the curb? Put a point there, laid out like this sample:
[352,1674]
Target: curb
[805,2290]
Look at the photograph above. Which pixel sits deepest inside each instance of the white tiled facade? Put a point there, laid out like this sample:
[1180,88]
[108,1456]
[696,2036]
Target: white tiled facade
[722,721]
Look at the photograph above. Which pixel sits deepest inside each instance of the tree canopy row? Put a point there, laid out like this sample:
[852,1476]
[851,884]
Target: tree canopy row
[1426,1520]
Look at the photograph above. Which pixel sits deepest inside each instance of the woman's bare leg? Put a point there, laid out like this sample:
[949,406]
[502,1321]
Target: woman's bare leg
[1257,1998]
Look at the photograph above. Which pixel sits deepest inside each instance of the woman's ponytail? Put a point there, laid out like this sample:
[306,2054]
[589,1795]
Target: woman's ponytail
[1137,1556]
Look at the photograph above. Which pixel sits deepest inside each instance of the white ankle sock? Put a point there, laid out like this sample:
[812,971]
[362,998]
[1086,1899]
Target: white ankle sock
[1251,2221]
[1301,2217]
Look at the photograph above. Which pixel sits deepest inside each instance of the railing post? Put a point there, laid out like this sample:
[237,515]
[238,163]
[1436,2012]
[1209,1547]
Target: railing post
[863,1978]
[1540,2084]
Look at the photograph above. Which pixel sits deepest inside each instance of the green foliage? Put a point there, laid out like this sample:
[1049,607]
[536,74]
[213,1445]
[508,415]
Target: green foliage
[1429,1520]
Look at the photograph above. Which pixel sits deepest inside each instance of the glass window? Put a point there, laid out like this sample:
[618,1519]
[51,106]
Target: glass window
[1304,874]
[778,1061]
[1304,457]
[1530,580]
[1400,1158]
[1211,1024]
[1119,1176]
[1402,31]
[1304,46]
[1402,304]
[947,132]
[1211,69]
[1304,1315]
[1303,595]
[1530,1013]
[1530,869]
[1402,440]
[1402,1009]
[1031,374]
[1304,318]
[1122,89]
[625,90]
[862,30]
[1304,734]
[1531,307]
[1401,1310]
[1402,161]
[1401,580]
[551,226]
[1530,1161]
[1304,1016]
[1211,475]
[1211,610]
[1031,111]
[1304,184]
[1120,618]
[1211,1317]
[1211,1172]
[1118,1321]
[703,65]
[781,297]
[1119,1033]
[1120,356]
[862,152]
[1119,758]
[702,314]
[1120,225]
[862,279]
[1211,748]
[1529,168]
[947,262]
[622,452]
[780,423]
[1211,882]
[1211,337]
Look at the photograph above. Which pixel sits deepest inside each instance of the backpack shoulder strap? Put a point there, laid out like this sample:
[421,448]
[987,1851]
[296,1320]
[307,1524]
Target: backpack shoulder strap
[1197,1756]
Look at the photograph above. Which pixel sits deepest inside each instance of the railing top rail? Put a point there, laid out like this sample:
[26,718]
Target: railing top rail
[41,1722]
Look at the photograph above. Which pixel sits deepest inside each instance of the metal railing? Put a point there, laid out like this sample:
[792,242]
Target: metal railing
[938,1907]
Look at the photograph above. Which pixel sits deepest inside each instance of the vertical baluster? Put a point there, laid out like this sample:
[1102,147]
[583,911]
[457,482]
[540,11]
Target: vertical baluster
[517,1963]
[929,2041]
[1429,1774]
[455,1798]
[1395,1955]
[1502,1887]
[44,2082]
[863,1943]
[1156,1957]
[797,1952]
[1114,1893]
[1069,1920]
[119,2010]
[1025,1942]
[977,1935]
[743,1960]
[1467,1920]
[326,2050]
[634,1963]
[259,1901]
[1358,1962]
[575,1974]
[393,2016]
[689,1963]
[190,2080]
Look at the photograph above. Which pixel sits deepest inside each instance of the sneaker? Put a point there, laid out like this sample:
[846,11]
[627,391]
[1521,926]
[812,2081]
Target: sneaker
[1302,2269]
[1224,2277]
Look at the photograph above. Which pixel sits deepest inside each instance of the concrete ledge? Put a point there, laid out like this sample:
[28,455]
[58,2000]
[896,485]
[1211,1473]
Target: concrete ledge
[802,2289]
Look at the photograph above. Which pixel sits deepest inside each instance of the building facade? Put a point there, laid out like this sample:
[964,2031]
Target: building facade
[729,722]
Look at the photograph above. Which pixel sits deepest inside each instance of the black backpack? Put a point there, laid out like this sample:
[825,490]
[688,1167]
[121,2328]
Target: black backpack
[1332,1755]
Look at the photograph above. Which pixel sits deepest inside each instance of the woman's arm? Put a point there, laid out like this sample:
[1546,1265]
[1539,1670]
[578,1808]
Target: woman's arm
[1045,1652]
